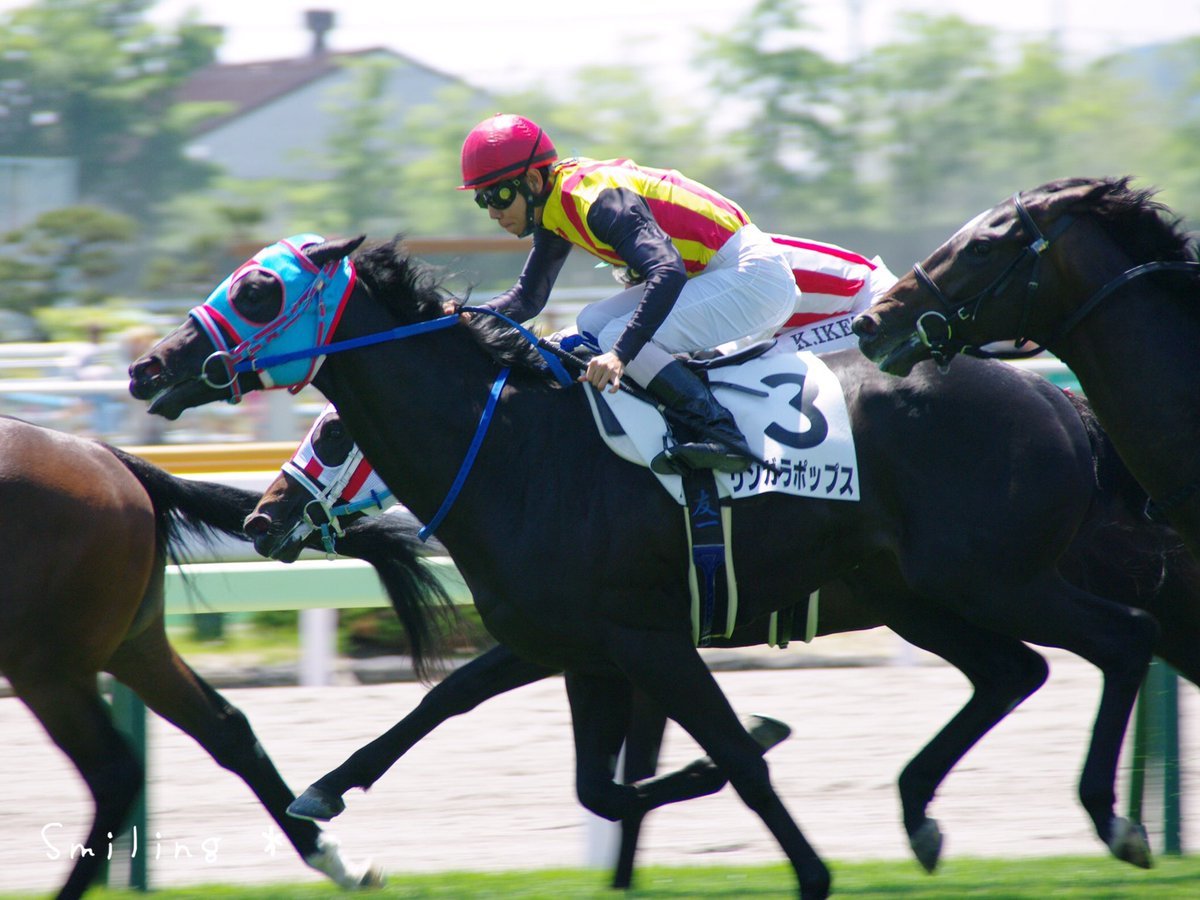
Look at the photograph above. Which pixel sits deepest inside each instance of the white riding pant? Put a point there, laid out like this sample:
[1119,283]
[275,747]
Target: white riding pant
[747,290]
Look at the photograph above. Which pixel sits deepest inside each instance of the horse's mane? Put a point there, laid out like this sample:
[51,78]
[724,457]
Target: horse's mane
[413,293]
[1146,228]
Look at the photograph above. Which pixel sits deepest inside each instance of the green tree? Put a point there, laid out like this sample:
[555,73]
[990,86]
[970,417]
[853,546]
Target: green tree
[797,151]
[361,154]
[63,258]
[92,80]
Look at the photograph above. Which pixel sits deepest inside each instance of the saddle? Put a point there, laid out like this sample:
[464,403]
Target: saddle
[792,410]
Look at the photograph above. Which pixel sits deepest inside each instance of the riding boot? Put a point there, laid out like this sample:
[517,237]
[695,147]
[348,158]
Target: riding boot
[717,442]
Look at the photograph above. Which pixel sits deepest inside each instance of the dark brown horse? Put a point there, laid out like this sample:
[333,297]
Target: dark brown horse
[328,484]
[973,486]
[1102,276]
[87,531]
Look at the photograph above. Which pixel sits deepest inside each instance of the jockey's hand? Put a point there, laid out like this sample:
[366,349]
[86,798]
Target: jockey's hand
[604,371]
[451,307]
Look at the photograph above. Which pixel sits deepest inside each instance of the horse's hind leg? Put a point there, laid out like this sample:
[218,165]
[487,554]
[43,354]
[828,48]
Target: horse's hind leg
[77,720]
[647,723]
[150,666]
[667,667]
[1002,671]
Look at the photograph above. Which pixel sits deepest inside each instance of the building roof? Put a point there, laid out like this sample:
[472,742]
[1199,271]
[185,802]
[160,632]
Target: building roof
[248,86]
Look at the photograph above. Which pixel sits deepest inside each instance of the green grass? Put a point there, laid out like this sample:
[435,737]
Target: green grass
[1071,878]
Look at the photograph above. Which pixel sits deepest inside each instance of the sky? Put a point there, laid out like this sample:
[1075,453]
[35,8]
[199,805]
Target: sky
[502,45]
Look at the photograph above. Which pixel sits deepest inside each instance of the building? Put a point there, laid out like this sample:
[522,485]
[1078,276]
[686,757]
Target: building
[276,116]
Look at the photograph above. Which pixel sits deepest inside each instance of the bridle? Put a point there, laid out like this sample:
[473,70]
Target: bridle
[934,327]
[935,330]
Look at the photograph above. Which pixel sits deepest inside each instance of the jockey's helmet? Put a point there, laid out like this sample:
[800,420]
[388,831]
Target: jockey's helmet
[503,147]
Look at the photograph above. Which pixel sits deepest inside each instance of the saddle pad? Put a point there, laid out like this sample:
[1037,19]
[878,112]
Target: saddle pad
[792,410]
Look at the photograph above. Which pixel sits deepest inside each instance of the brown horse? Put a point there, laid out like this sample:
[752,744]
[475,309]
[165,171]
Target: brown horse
[87,532]
[1102,276]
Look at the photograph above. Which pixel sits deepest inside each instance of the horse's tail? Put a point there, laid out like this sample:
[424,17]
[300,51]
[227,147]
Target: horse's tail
[389,543]
[201,509]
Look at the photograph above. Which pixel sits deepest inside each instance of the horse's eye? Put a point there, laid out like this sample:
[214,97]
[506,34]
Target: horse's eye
[334,431]
[979,249]
[257,299]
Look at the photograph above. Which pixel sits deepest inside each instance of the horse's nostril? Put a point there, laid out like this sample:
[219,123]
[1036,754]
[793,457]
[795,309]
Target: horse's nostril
[864,325]
[256,525]
[145,368]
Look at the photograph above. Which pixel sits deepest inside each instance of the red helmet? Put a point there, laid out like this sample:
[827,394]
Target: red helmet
[504,146]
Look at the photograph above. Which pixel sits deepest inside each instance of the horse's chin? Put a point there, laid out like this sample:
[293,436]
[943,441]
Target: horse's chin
[278,548]
[170,403]
[901,359]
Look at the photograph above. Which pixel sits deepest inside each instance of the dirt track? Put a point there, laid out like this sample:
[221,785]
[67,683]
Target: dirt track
[493,790]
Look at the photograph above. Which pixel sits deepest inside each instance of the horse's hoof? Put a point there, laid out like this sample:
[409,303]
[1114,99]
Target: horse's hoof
[767,731]
[316,805]
[372,878]
[815,881]
[1130,844]
[926,843]
[341,871]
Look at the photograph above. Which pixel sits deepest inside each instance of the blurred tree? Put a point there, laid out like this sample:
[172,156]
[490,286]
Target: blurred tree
[90,79]
[63,258]
[1182,136]
[797,150]
[361,154]
[605,112]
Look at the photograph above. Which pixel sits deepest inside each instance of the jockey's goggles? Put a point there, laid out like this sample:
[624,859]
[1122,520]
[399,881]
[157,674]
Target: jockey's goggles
[498,196]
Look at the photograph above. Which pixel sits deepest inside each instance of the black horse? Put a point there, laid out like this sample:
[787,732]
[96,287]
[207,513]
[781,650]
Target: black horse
[1098,273]
[329,484]
[972,487]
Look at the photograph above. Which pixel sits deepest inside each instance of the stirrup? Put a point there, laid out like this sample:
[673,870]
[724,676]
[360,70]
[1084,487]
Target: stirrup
[678,459]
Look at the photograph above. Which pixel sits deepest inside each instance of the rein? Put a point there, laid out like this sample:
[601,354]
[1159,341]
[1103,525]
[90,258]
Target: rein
[260,363]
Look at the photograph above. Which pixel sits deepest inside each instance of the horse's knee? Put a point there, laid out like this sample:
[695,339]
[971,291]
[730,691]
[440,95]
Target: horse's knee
[1030,671]
[1133,646]
[115,785]
[606,798]
[233,744]
[752,781]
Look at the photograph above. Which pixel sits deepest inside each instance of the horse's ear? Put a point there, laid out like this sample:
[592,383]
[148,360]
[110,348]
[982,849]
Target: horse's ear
[320,254]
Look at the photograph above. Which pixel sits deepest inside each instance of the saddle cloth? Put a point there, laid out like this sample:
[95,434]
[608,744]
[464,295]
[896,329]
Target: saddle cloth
[792,410]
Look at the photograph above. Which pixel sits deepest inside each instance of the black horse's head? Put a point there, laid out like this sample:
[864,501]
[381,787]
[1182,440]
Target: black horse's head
[1015,272]
[324,486]
[277,297]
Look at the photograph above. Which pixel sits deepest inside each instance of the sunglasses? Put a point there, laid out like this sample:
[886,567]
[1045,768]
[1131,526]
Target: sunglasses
[498,196]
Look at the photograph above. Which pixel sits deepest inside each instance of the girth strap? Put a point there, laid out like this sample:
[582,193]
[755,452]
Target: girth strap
[710,564]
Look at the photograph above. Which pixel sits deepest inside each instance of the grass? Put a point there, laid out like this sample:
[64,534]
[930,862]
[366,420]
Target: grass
[1068,878]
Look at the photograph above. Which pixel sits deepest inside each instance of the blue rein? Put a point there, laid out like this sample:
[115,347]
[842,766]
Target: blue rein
[255,364]
[405,331]
[469,460]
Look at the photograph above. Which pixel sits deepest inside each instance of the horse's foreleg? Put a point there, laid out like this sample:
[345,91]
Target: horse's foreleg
[168,686]
[667,667]
[77,720]
[1116,639]
[492,673]
[1002,671]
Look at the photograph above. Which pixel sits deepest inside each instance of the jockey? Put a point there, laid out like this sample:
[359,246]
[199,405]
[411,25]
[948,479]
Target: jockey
[701,273]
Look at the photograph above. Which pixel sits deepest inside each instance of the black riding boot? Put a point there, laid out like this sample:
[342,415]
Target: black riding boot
[719,444]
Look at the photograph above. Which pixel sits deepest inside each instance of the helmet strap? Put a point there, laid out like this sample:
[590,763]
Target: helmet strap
[532,200]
